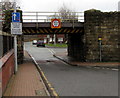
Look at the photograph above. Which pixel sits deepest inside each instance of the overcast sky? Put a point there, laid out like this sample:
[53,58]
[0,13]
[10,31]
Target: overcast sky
[76,5]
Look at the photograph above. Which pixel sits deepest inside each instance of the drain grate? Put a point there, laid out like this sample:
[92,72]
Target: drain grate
[38,92]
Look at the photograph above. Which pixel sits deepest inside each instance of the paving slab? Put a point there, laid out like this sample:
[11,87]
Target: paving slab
[27,81]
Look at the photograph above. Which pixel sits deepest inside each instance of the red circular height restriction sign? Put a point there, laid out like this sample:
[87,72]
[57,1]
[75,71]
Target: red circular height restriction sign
[55,23]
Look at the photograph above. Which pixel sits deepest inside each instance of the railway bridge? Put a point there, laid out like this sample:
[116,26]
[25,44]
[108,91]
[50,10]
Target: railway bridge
[36,23]
[88,34]
[83,30]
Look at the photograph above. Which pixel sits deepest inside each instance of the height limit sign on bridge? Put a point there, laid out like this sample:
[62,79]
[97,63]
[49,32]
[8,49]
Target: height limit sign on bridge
[55,23]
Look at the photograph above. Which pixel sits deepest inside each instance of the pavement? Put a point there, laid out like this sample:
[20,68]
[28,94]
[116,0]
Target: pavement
[27,81]
[71,61]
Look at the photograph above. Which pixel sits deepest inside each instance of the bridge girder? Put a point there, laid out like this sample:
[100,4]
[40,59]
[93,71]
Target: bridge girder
[30,28]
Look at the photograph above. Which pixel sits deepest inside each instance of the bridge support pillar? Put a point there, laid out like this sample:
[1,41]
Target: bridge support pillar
[104,25]
[76,46]
[20,40]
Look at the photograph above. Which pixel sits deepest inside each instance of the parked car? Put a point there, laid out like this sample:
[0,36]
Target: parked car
[34,42]
[40,43]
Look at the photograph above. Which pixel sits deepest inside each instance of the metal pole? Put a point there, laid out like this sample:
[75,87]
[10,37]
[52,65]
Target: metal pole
[100,42]
[37,20]
[54,39]
[15,51]
[15,44]
[73,23]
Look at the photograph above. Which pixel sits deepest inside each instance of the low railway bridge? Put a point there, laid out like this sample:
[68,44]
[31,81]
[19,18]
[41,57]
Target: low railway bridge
[83,29]
[35,23]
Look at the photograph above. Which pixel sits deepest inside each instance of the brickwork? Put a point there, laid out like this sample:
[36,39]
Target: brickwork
[104,25]
[7,69]
[27,82]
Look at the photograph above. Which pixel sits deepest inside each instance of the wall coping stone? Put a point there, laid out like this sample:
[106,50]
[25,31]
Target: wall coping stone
[5,58]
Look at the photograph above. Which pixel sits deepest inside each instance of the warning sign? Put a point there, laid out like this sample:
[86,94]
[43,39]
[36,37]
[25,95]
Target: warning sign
[16,28]
[55,23]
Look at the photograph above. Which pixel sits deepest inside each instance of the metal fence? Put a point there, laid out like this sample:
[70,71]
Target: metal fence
[47,16]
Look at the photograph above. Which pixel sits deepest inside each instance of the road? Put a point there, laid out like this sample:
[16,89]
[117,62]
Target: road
[71,80]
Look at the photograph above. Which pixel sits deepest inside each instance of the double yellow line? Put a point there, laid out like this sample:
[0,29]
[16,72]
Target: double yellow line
[54,93]
[51,90]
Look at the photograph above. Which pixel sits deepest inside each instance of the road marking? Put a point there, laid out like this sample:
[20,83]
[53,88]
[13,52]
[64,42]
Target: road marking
[106,68]
[51,51]
[50,86]
[41,79]
[56,95]
[115,69]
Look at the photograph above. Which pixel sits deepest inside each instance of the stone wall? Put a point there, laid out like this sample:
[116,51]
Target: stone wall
[105,25]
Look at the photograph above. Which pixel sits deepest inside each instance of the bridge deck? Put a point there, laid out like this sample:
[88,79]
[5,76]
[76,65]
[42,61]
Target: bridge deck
[30,28]
[48,24]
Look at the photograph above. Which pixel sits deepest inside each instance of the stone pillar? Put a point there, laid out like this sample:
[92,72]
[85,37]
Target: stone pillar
[104,25]
[20,41]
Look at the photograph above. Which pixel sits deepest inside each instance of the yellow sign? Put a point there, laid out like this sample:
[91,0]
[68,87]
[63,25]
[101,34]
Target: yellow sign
[99,38]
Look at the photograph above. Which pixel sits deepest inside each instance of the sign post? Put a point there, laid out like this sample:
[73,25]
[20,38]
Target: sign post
[100,48]
[16,29]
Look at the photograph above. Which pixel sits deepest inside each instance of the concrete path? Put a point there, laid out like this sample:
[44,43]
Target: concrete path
[27,81]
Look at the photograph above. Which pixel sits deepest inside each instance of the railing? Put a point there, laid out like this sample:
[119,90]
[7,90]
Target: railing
[47,16]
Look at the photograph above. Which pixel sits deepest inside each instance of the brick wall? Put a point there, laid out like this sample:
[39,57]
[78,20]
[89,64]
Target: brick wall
[7,69]
[104,25]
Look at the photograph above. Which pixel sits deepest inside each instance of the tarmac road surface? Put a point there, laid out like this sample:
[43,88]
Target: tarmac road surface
[71,80]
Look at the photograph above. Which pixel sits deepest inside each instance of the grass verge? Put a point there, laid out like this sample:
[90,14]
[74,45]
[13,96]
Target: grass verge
[57,45]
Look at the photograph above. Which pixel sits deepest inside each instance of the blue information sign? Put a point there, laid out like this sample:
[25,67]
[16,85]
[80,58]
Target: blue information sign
[16,17]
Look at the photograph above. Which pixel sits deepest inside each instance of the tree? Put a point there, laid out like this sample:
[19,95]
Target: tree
[67,15]
[6,10]
[7,4]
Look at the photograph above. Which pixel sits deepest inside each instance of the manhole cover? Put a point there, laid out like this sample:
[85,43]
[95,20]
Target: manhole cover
[38,92]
